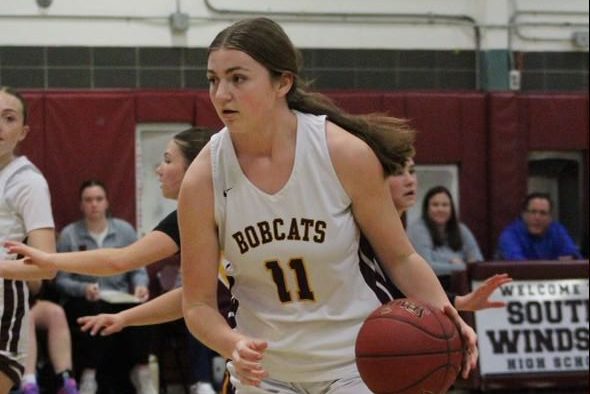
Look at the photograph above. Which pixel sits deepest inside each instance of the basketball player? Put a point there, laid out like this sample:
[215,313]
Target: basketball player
[158,244]
[25,212]
[283,192]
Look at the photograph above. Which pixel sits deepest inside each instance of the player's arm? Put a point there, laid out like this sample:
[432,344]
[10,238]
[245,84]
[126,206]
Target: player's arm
[153,247]
[44,240]
[200,264]
[200,257]
[162,309]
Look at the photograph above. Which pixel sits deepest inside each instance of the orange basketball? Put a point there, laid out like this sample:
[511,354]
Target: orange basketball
[408,347]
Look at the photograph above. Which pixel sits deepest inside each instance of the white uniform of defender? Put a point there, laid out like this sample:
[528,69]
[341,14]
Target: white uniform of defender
[294,260]
[24,206]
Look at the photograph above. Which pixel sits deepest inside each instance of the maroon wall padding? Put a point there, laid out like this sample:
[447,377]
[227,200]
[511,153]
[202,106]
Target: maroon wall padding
[451,130]
[437,117]
[473,186]
[360,102]
[557,123]
[34,144]
[90,135]
[507,163]
[165,106]
[394,104]
[205,112]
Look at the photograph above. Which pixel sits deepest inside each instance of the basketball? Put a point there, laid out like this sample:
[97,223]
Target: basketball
[408,347]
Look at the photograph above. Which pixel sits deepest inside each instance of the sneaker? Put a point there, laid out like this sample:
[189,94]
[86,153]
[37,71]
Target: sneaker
[141,377]
[30,388]
[88,386]
[202,388]
[69,387]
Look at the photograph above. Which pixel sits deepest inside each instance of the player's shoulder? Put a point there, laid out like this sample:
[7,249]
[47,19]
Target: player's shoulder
[199,176]
[27,177]
[345,146]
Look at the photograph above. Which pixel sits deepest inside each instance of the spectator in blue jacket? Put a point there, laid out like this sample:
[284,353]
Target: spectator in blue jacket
[535,235]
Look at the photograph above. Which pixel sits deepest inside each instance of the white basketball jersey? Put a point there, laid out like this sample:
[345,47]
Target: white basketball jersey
[294,259]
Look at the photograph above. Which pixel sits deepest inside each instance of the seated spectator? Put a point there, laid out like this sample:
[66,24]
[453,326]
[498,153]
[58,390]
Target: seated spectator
[440,238]
[535,235]
[83,293]
[49,316]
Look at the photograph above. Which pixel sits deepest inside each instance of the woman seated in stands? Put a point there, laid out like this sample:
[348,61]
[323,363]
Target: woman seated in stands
[440,238]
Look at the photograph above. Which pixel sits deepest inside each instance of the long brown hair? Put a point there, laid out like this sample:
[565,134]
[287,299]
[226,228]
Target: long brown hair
[266,42]
[191,141]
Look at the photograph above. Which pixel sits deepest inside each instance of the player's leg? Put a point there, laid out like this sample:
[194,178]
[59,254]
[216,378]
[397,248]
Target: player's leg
[29,381]
[52,318]
[5,383]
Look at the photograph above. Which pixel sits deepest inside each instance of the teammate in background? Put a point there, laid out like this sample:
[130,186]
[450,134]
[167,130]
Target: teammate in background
[25,213]
[158,244]
[402,187]
[278,192]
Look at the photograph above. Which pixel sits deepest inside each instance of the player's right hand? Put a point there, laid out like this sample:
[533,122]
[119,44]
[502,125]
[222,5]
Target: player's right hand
[247,357]
[469,338]
[104,323]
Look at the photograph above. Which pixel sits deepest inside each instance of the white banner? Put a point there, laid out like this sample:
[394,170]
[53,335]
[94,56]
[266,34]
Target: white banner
[544,328]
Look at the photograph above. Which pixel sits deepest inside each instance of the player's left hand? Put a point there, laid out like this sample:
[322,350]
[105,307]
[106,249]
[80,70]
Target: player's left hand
[469,341]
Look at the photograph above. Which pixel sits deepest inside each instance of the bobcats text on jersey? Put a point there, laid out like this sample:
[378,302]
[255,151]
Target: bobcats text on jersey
[278,229]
